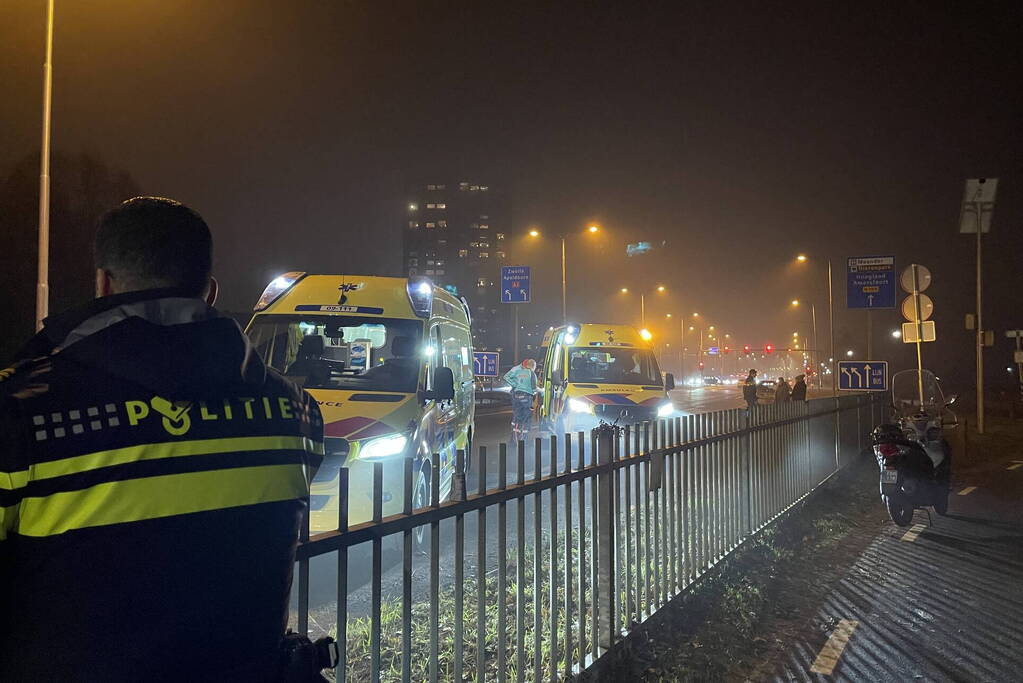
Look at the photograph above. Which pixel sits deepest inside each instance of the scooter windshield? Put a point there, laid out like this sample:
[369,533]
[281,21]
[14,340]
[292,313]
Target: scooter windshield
[906,393]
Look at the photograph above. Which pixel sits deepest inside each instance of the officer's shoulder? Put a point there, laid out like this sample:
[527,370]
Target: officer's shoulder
[279,384]
[14,378]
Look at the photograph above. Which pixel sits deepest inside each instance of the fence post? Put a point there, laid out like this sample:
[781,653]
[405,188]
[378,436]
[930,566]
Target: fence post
[749,470]
[605,539]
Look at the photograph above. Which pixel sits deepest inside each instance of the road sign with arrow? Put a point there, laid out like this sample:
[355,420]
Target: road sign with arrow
[871,282]
[515,285]
[863,375]
[485,363]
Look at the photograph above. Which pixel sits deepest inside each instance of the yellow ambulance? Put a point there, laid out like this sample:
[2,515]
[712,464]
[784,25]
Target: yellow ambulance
[389,361]
[593,372]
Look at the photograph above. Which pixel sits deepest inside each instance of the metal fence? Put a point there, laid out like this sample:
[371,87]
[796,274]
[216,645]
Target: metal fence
[577,539]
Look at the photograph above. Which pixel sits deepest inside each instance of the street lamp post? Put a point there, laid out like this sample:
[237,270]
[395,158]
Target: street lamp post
[564,269]
[43,283]
[802,258]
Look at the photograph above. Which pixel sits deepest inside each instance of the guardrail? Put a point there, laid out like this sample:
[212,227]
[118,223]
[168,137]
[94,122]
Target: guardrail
[606,529]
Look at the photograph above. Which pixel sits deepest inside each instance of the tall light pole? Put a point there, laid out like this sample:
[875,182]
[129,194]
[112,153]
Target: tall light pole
[642,302]
[564,268]
[43,280]
[801,258]
[816,349]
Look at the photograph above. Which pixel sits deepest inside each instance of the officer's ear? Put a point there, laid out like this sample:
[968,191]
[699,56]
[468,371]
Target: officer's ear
[211,293]
[104,283]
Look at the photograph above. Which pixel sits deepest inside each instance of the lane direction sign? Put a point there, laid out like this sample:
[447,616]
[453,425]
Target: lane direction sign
[485,363]
[515,285]
[871,282]
[863,375]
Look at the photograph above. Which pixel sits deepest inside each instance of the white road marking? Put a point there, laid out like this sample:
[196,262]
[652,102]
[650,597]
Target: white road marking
[827,660]
[913,532]
[1016,466]
[968,490]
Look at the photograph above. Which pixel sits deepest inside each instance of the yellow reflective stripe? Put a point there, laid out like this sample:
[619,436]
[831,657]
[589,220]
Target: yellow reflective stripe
[170,449]
[13,480]
[8,519]
[134,500]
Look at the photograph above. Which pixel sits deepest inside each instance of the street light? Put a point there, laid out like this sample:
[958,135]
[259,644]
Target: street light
[642,302]
[849,353]
[43,261]
[802,258]
[564,270]
[897,334]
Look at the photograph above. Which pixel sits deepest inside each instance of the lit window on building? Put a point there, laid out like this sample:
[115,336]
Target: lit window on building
[431,187]
[413,262]
[485,245]
[430,262]
[429,271]
[474,244]
[484,226]
[442,224]
[442,206]
[484,254]
[484,188]
[484,217]
[440,262]
[462,253]
[442,187]
[499,235]
[431,225]
[474,226]
[482,282]
[500,254]
[413,225]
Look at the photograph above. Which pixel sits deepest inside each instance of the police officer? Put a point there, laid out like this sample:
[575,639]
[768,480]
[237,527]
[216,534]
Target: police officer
[153,475]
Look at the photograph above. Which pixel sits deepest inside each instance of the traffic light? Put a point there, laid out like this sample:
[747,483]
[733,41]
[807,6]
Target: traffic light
[727,349]
[745,348]
[701,365]
[769,348]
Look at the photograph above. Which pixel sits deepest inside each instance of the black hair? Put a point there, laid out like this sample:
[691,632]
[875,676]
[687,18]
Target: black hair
[153,242]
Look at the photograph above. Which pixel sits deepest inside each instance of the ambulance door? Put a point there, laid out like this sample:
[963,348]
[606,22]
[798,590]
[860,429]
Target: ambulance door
[554,389]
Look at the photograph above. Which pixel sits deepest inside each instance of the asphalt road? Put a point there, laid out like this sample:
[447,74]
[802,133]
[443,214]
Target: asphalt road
[939,601]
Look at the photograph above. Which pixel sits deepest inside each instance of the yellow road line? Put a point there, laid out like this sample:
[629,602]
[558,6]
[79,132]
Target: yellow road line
[828,657]
[913,532]
[968,490]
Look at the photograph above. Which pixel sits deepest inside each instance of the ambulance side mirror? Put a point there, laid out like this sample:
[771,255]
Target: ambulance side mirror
[669,381]
[443,385]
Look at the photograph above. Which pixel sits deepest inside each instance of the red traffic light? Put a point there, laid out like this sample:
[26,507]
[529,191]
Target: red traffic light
[727,349]
[701,365]
[769,348]
[745,348]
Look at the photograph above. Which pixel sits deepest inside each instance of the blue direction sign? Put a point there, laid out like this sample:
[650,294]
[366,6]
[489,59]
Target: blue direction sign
[515,285]
[863,375]
[485,363]
[872,282]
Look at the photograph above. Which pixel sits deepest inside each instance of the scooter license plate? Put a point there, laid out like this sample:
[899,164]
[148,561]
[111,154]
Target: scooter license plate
[889,476]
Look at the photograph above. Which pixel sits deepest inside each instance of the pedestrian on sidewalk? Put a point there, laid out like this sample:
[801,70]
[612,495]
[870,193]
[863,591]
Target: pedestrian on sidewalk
[749,388]
[798,389]
[782,391]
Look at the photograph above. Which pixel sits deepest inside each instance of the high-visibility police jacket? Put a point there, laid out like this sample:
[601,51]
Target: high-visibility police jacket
[153,478]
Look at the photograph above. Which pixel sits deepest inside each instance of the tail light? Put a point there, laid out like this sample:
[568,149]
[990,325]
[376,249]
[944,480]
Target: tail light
[888,450]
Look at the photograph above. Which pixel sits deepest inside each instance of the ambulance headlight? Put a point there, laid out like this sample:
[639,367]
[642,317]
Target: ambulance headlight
[279,285]
[665,410]
[577,406]
[383,447]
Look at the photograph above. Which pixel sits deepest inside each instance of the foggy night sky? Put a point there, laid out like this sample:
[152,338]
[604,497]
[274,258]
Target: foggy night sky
[740,133]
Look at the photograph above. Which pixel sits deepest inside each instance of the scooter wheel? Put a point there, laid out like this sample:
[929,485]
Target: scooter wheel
[899,510]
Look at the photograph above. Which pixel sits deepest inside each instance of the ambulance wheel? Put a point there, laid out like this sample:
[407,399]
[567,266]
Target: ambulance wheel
[421,499]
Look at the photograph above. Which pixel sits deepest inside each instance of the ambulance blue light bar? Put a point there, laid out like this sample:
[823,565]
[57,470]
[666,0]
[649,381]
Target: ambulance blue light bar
[420,295]
[278,286]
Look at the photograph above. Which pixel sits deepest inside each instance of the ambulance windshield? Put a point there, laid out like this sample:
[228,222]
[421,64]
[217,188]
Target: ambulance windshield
[352,353]
[610,365]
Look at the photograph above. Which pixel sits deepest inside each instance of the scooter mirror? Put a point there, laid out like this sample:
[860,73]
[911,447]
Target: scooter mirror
[952,399]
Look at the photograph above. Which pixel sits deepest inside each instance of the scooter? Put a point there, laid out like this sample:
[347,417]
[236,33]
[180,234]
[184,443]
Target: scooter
[914,458]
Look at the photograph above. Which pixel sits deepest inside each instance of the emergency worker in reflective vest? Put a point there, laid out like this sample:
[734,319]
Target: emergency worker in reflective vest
[154,474]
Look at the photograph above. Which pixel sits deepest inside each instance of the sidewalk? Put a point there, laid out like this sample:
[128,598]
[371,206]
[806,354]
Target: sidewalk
[936,602]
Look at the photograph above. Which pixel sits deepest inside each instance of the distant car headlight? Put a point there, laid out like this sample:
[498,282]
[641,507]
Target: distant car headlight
[665,410]
[577,406]
[383,447]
